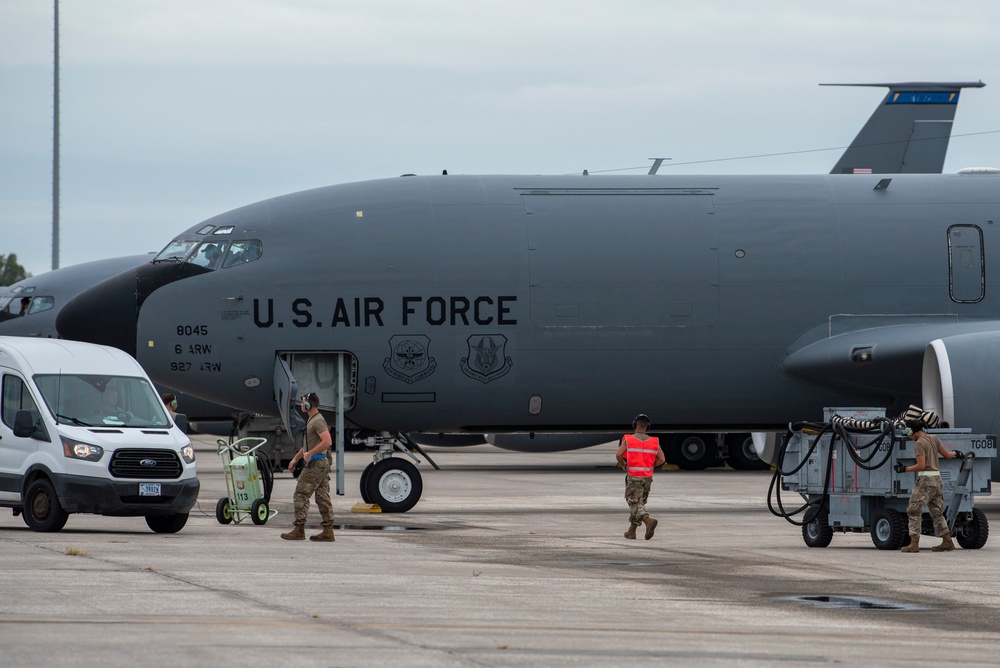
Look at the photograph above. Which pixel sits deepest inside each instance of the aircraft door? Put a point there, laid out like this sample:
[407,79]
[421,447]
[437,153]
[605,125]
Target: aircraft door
[286,394]
[966,266]
[333,376]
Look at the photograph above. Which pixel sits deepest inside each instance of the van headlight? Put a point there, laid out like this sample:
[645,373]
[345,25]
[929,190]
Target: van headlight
[187,452]
[78,450]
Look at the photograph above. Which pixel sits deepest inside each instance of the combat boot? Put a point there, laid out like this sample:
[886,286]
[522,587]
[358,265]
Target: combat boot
[325,537]
[631,531]
[946,544]
[914,545]
[298,532]
[650,526]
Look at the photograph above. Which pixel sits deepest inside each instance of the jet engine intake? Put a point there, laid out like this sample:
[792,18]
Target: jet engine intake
[961,382]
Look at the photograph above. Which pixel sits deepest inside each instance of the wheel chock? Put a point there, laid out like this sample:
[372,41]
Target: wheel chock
[670,467]
[366,508]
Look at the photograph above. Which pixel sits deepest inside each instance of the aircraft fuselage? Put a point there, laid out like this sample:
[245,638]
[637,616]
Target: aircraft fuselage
[535,303]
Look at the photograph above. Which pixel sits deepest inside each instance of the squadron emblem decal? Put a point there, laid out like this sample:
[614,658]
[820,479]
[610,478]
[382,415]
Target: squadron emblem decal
[486,361]
[409,359]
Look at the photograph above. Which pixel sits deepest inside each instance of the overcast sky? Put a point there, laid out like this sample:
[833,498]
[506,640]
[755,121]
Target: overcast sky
[176,110]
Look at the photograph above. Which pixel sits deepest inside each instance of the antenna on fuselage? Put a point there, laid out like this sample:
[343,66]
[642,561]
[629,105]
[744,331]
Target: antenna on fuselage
[656,165]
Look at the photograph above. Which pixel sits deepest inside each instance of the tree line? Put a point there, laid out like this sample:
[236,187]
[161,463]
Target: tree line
[10,270]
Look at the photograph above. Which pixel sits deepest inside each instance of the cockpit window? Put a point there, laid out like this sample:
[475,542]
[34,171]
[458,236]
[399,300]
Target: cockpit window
[206,229]
[176,250]
[209,254]
[39,304]
[241,252]
[227,229]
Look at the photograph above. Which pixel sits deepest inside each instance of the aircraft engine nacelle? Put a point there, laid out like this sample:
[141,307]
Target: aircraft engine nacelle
[961,382]
[548,442]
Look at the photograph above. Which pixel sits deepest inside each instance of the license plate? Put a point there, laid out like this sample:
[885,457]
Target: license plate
[149,489]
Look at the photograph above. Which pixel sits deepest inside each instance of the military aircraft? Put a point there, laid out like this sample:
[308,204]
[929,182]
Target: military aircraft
[44,295]
[498,304]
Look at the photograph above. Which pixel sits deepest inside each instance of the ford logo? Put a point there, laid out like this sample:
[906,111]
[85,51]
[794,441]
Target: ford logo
[147,462]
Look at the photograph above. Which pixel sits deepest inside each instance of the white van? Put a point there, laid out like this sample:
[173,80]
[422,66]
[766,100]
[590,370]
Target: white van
[82,430]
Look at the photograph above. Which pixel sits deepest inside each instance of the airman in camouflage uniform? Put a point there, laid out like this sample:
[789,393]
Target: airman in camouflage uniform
[315,477]
[638,454]
[928,489]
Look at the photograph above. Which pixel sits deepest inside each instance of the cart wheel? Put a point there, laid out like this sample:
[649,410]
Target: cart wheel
[224,511]
[364,483]
[817,531]
[258,511]
[395,485]
[973,535]
[889,530]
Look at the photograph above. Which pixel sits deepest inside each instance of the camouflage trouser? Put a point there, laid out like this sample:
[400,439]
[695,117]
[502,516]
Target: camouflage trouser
[315,477]
[636,493]
[927,491]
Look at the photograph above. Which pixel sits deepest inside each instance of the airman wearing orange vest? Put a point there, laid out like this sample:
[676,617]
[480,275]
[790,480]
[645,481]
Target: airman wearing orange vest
[638,454]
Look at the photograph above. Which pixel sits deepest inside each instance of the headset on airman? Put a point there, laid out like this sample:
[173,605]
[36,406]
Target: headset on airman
[308,399]
[640,416]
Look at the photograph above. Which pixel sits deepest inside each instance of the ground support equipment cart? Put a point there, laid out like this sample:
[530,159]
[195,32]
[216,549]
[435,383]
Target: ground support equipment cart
[844,472]
[247,482]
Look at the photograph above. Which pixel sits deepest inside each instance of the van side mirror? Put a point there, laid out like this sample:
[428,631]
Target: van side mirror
[26,426]
[181,420]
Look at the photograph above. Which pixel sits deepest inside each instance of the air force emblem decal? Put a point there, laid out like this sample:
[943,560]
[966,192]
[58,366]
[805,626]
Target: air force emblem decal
[486,361]
[409,359]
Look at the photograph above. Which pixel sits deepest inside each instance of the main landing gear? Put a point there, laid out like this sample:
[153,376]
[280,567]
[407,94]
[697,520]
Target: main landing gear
[391,482]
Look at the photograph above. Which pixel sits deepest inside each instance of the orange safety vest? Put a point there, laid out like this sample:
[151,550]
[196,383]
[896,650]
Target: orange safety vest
[640,456]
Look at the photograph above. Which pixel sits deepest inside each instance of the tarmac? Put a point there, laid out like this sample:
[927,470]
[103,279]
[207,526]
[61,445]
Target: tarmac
[509,559]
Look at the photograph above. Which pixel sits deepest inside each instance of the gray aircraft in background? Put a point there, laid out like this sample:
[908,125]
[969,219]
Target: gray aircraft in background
[44,295]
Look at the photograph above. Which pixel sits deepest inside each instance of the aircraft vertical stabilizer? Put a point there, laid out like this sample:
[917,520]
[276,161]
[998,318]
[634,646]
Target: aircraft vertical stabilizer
[908,132]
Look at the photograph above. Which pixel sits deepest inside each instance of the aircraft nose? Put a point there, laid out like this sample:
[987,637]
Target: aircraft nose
[108,313]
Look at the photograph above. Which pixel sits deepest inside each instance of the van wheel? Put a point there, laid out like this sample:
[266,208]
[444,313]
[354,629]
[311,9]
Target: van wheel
[42,511]
[167,523]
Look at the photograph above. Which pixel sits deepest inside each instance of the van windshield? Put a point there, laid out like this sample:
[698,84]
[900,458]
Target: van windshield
[91,400]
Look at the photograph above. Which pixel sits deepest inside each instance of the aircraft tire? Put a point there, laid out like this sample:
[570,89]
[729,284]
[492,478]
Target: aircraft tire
[817,532]
[889,530]
[364,482]
[41,511]
[742,454]
[973,535]
[693,452]
[167,523]
[395,485]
